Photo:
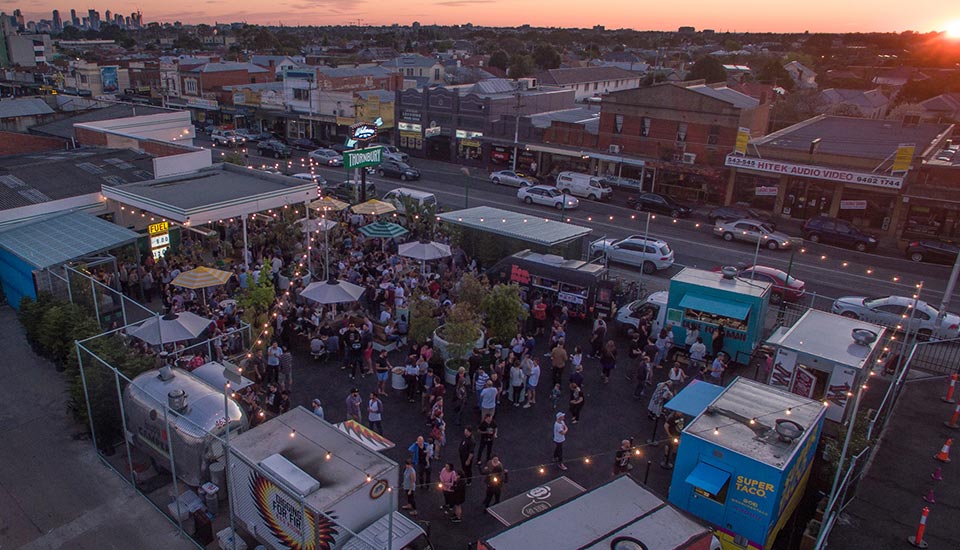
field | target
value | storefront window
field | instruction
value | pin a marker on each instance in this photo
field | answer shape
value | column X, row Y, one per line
column 691, row 187
column 932, row 221
column 410, row 140
column 501, row 156
column 867, row 209
column 755, row 191
column 468, row 149
column 807, row 198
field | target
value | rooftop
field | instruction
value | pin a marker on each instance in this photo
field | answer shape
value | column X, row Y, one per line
column 345, row 72
column 828, row 336
column 579, row 75
column 713, row 279
column 64, row 127
column 28, row 106
column 411, row 60
column 847, row 136
column 519, row 226
column 226, row 66
column 58, row 238
column 727, row 95
column 590, row 118
column 726, row 422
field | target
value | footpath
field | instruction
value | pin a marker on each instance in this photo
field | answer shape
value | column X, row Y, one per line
column 891, row 497
column 54, row 492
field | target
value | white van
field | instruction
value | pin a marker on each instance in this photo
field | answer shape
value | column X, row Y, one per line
column 422, row 198
column 583, row 185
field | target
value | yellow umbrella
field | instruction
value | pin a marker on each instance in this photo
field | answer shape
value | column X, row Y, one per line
column 201, row 277
column 329, row 204
column 373, row 207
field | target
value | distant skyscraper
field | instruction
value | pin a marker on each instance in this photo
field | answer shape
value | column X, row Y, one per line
column 93, row 19
column 108, row 16
column 118, row 20
column 18, row 15
column 57, row 22
column 74, row 19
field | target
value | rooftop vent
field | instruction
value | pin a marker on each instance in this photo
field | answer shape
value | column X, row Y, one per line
column 787, row 430
column 863, row 337
column 177, row 400
column 729, row 271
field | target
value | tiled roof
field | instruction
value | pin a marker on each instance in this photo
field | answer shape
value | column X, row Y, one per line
column 579, row 75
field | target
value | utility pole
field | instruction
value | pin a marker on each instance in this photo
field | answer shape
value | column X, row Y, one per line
column 516, row 131
column 948, row 293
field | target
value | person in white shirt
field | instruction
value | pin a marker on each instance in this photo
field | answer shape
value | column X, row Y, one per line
column 698, row 350
column 559, row 436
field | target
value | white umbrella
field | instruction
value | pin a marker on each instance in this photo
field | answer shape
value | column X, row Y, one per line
column 424, row 250
column 172, row 327
column 332, row 291
column 317, row 224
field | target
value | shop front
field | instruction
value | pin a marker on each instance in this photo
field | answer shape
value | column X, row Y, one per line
column 469, row 146
column 628, row 173
column 411, row 137
column 691, row 184
column 553, row 160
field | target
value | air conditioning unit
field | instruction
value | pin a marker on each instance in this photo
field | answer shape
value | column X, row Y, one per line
column 615, row 149
column 689, row 158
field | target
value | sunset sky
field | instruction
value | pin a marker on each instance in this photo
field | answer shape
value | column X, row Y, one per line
column 742, row 15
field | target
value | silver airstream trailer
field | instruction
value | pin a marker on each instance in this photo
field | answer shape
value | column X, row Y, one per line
column 196, row 413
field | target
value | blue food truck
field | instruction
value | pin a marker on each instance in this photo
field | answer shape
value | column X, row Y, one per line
column 708, row 300
column 742, row 464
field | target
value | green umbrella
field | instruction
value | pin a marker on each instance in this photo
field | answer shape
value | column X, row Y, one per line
column 383, row 230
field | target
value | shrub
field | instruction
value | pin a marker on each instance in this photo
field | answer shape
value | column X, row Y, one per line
column 503, row 309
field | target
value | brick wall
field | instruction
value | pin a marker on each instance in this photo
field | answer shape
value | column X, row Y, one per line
column 12, row 143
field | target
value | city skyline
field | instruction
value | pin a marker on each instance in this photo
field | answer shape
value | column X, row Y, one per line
column 755, row 16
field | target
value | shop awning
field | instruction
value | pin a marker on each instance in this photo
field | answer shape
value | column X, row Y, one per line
column 554, row 150
column 615, row 158
column 723, row 308
column 708, row 478
column 693, row 399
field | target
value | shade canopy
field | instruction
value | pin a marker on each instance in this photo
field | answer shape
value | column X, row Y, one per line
column 329, row 204
column 317, row 224
column 424, row 250
column 201, row 277
column 383, row 230
column 332, row 292
column 373, row 207
column 173, row 327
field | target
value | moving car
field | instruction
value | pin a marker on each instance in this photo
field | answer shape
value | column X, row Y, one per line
column 941, row 252
column 397, row 169
column 548, row 196
column 731, row 213
column 339, row 147
column 782, row 290
column 326, row 157
column 584, row 185
column 838, row 232
column 647, row 253
column 303, row 144
column 753, row 231
column 389, row 151
column 226, row 137
column 509, row 177
column 273, row 148
column 306, row 176
column 659, row 204
column 890, row 310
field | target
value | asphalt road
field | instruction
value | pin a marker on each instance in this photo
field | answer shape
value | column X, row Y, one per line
column 829, row 272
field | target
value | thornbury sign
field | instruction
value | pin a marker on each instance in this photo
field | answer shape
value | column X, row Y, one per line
column 816, row 172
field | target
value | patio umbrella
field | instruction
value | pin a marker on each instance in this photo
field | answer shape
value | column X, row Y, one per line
column 201, row 277
column 424, row 250
column 383, row 230
column 332, row 291
column 329, row 204
column 172, row 327
column 373, row 207
column 317, row 224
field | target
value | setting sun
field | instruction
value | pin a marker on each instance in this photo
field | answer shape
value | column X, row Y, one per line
column 953, row 29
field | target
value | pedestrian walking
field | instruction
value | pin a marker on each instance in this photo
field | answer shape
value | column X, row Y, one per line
column 676, row 375
column 558, row 360
column 516, row 384
column 662, row 394
column 375, row 413
column 576, row 402
column 533, row 378
column 353, row 405
column 644, row 375
column 559, row 436
column 496, row 477
column 410, row 487
column 555, row 395
column 597, row 337
column 488, row 400
column 608, row 360
column 466, row 452
column 286, row 370
column 354, row 343
column 488, row 433
column 621, row 461
column 383, row 368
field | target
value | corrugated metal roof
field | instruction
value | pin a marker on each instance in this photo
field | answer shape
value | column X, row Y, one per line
column 31, row 106
column 63, row 237
column 524, row 227
column 733, row 97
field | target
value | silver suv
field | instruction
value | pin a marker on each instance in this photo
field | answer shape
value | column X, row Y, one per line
column 226, row 137
column 648, row 253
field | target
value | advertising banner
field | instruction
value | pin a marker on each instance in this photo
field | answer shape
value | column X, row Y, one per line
column 743, row 138
column 815, row 172
column 109, row 80
column 838, row 390
column 783, row 367
column 903, row 158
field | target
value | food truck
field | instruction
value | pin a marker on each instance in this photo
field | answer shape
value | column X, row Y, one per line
column 621, row 514
column 300, row 483
column 742, row 464
column 706, row 300
column 581, row 286
column 196, row 415
column 825, row 356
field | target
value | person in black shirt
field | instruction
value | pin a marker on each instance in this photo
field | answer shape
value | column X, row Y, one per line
column 474, row 363
column 488, row 432
column 354, row 343
column 495, row 478
column 621, row 463
column 466, row 449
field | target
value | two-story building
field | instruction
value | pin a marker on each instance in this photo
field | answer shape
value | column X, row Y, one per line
column 588, row 82
column 417, row 70
column 683, row 130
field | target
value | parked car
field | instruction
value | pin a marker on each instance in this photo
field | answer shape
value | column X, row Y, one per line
column 838, row 232
column 509, row 177
column 273, row 148
column 584, row 185
column 548, row 196
column 782, row 290
column 303, row 144
column 326, row 157
column 753, row 231
column 226, row 137
column 653, row 307
column 389, row 151
column 730, row 213
column 890, row 310
column 306, row 176
column 400, row 196
column 648, row 253
column 941, row 252
column 659, row 204
column 339, row 147
column 397, row 169
column 349, row 190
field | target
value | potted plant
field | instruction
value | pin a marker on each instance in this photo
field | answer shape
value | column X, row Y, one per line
column 457, row 337
column 503, row 310
column 422, row 320
column 471, row 289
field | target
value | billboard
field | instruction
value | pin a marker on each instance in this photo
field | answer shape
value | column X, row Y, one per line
column 109, row 81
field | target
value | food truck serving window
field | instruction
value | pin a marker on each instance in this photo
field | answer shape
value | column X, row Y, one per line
column 709, row 482
column 722, row 308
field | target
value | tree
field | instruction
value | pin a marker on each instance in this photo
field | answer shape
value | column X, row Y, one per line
column 521, row 65
column 500, row 60
column 471, row 290
column 774, row 74
column 422, row 320
column 503, row 310
column 546, row 57
column 709, row 69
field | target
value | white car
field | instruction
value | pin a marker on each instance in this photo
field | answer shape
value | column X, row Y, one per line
column 753, row 231
column 547, row 195
column 509, row 177
column 226, row 137
column 306, row 176
column 326, row 157
column 890, row 311
column 390, row 151
column 648, row 253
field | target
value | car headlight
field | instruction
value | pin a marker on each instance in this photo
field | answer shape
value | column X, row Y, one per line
column 871, row 239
